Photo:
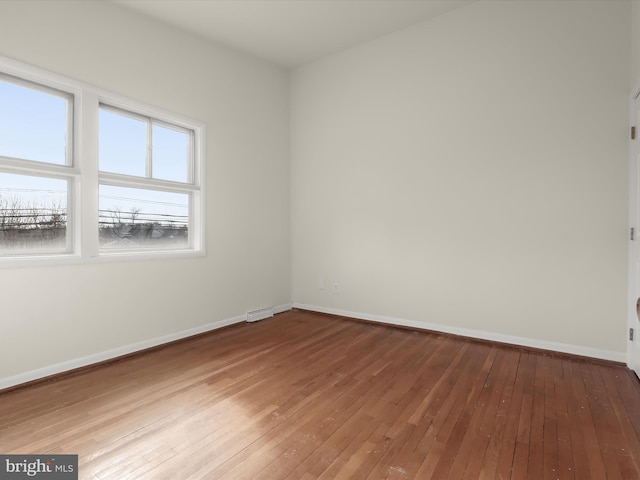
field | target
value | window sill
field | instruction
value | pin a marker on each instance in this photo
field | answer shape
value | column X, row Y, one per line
column 61, row 260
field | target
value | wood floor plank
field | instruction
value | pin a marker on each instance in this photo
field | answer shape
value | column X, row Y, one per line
column 550, row 423
column 483, row 462
column 584, row 426
column 566, row 467
column 312, row 396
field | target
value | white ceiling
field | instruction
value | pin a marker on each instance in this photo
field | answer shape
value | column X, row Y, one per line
column 290, row 33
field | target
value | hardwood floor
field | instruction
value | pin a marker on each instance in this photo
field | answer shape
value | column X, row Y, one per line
column 306, row 396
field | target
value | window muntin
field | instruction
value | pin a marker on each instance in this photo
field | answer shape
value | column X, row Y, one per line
column 133, row 218
column 35, row 122
column 33, row 214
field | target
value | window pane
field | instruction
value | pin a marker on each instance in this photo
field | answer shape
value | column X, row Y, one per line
column 170, row 154
column 33, row 213
column 138, row 218
column 122, row 144
column 33, row 124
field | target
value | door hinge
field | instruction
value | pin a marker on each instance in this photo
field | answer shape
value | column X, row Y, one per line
column 632, row 234
column 631, row 334
column 633, row 133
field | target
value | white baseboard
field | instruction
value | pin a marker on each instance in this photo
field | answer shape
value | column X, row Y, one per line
column 154, row 342
column 283, row 308
column 120, row 351
column 479, row 334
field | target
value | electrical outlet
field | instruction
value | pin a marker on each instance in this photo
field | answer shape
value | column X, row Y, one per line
column 335, row 288
column 321, row 284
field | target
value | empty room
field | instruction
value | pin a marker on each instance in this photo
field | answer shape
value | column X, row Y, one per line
column 319, row 239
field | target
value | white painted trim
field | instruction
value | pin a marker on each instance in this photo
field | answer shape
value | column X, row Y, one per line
column 479, row 334
column 114, row 353
column 283, row 308
column 125, row 350
column 632, row 212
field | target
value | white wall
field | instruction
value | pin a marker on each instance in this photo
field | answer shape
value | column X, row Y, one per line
column 470, row 172
column 59, row 314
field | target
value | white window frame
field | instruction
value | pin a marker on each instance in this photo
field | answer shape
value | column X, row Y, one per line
column 84, row 178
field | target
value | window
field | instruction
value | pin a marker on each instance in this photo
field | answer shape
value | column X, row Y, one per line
column 36, row 130
column 86, row 174
column 146, row 181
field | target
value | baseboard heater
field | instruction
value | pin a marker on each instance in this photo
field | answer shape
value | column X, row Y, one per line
column 261, row 314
